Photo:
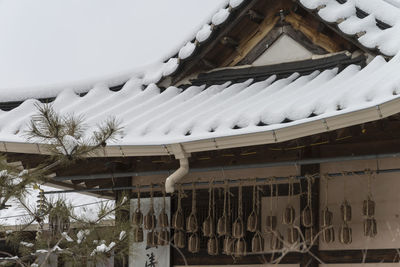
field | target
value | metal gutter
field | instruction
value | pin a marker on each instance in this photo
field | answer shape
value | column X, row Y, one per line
column 285, row 133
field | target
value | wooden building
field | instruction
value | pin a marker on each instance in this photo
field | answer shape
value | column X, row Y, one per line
column 282, row 101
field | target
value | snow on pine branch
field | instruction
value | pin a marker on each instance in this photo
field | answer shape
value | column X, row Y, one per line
column 66, row 136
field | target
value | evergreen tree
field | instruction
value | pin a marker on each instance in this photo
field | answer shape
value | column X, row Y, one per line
column 73, row 238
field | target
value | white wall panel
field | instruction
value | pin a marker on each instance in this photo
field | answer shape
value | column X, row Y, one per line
column 385, row 189
column 285, row 49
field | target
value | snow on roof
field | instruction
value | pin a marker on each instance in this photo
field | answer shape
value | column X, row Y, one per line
column 112, row 43
column 375, row 23
column 150, row 116
column 84, row 205
column 47, row 46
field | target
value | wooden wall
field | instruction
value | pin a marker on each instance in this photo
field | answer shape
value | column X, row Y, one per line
column 382, row 248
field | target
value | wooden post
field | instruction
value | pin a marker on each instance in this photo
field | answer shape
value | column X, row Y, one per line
column 308, row 260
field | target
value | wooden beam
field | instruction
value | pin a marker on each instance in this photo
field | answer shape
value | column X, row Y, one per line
column 335, row 29
column 229, row 42
column 248, row 43
column 262, row 46
column 224, row 31
column 273, row 35
column 312, row 33
column 208, row 64
column 203, row 258
column 282, row 70
column 77, row 187
column 360, row 256
column 302, row 39
column 326, row 256
column 256, row 16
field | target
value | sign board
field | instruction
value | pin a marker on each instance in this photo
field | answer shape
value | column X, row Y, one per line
column 139, row 254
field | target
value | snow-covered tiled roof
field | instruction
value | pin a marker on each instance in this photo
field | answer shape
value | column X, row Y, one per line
column 225, row 115
column 83, row 205
column 50, row 62
column 247, row 113
column 375, row 23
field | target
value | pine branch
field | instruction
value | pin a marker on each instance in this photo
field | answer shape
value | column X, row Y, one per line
column 67, row 137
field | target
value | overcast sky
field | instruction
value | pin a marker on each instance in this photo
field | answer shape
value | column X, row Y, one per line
column 59, row 42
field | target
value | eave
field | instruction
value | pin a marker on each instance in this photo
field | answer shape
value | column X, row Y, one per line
column 311, row 126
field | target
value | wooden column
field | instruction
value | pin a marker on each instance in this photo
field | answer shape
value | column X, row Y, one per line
column 308, row 260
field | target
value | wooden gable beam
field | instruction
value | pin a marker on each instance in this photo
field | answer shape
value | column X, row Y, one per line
column 333, row 27
column 254, row 23
column 256, row 16
column 229, row 42
column 207, row 47
column 281, row 17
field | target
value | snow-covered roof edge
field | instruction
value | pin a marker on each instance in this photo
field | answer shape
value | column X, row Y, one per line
column 331, row 12
column 371, row 24
column 289, row 131
column 171, row 65
column 150, row 73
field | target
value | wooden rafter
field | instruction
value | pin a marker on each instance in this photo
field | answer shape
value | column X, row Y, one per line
column 247, row 34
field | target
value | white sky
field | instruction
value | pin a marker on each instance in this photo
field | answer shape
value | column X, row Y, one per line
column 54, row 43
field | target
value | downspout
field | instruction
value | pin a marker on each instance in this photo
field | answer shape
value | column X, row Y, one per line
column 177, row 175
column 181, row 172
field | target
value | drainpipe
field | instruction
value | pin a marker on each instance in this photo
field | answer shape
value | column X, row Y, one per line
column 181, row 171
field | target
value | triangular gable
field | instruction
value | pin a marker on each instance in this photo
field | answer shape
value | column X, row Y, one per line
column 284, row 49
column 234, row 42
